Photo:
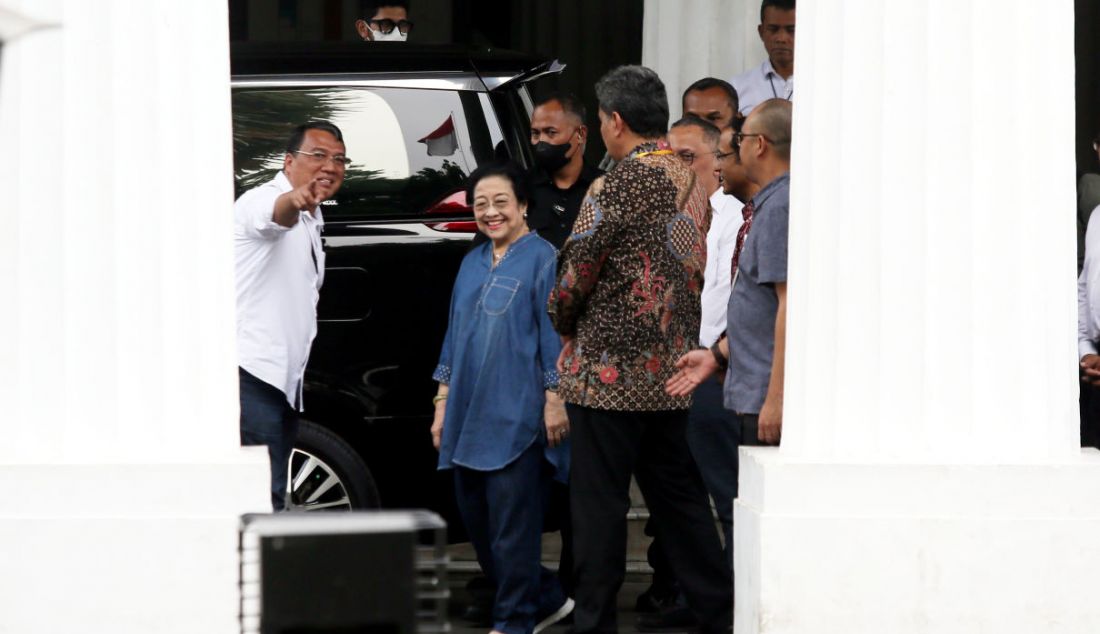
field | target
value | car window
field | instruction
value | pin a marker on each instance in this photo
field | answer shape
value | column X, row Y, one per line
column 411, row 149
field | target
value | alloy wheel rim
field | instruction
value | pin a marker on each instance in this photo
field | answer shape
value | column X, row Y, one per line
column 314, row 485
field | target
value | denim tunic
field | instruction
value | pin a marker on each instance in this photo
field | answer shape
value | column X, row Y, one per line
column 499, row 357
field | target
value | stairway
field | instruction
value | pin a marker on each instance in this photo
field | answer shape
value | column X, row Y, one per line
column 463, row 561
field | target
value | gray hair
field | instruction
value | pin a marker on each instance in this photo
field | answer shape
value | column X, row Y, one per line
column 638, row 95
column 711, row 133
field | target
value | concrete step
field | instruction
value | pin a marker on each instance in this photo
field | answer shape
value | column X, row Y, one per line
column 636, row 540
column 463, row 557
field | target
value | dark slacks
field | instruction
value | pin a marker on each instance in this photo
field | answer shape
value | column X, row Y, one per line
column 750, row 431
column 559, row 508
column 503, row 513
column 607, row 448
column 1090, row 414
column 267, row 419
column 713, row 433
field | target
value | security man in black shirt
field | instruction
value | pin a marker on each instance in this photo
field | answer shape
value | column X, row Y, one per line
column 558, row 134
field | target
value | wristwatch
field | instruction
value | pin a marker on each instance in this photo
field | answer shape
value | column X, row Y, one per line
column 723, row 363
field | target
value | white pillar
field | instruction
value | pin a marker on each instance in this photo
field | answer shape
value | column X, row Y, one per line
column 686, row 40
column 930, row 477
column 117, row 368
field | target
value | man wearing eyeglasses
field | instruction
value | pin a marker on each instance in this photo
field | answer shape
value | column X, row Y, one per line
column 389, row 22
column 280, row 266
column 710, row 432
column 754, row 348
column 695, row 141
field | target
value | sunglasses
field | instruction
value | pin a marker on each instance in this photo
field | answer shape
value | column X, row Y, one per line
column 386, row 26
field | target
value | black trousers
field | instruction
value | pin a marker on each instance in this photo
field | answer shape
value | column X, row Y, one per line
column 607, row 448
column 1090, row 414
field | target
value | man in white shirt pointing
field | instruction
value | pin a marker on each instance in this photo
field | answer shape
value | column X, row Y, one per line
column 774, row 78
column 279, row 270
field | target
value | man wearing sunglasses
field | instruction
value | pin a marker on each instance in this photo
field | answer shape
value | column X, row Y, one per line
column 279, row 269
column 389, row 22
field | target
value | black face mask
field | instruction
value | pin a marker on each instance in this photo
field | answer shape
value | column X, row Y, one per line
column 549, row 157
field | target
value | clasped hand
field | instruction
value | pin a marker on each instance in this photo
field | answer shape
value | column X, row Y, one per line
column 1090, row 369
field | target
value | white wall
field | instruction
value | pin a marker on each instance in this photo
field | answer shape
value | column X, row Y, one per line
column 686, row 40
column 116, row 262
column 932, row 292
column 120, row 460
column 930, row 476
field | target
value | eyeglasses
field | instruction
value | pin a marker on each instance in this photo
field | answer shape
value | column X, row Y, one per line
column 386, row 26
column 318, row 157
column 740, row 136
column 688, row 157
column 721, row 156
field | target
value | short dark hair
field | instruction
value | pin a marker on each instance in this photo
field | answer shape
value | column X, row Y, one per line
column 508, row 170
column 638, row 95
column 707, row 83
column 782, row 5
column 367, row 8
column 569, row 103
column 711, row 133
column 299, row 134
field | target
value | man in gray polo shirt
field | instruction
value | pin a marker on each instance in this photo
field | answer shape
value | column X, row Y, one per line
column 757, row 313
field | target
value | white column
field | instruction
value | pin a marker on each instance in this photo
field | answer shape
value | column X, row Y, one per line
column 117, row 368
column 686, row 40
column 930, row 477
column 937, row 288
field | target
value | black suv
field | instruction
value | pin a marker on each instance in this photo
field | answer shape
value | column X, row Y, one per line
column 416, row 122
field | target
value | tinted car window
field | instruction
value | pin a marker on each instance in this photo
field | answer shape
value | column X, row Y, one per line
column 411, row 149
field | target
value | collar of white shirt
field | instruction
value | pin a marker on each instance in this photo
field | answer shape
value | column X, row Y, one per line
column 281, row 182
column 768, row 70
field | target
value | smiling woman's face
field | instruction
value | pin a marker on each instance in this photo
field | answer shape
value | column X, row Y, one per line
column 497, row 212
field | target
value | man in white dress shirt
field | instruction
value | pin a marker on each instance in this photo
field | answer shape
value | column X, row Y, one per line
column 711, row 430
column 774, row 78
column 279, row 270
column 1088, row 332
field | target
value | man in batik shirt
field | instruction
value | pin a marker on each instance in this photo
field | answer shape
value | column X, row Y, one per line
column 627, row 306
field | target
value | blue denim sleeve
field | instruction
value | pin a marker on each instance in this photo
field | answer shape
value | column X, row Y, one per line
column 549, row 341
column 442, row 371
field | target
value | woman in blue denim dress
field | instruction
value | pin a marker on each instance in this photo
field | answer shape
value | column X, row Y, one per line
column 499, row 423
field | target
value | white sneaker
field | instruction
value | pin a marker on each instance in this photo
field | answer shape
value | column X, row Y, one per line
column 560, row 614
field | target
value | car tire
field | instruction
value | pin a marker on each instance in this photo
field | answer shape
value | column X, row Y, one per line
column 326, row 474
